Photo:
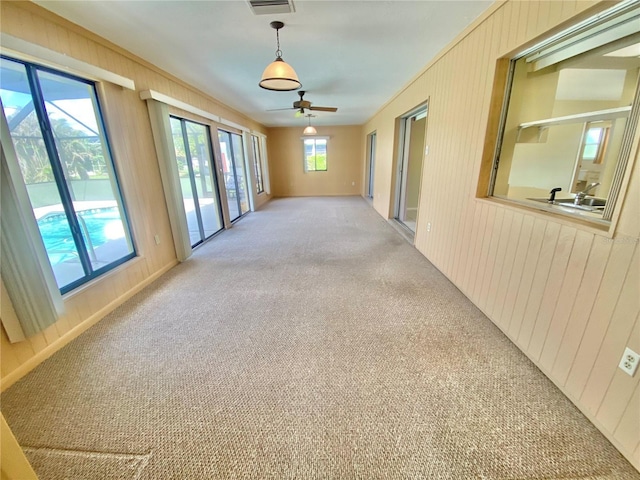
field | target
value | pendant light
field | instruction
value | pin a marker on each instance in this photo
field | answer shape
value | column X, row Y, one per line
column 279, row 75
column 309, row 130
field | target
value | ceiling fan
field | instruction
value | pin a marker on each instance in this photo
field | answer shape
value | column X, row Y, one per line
column 302, row 105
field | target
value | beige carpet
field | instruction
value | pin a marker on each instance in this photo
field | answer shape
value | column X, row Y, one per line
column 310, row 341
column 75, row 465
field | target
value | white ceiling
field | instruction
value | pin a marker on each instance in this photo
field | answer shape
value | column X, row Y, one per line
column 353, row 55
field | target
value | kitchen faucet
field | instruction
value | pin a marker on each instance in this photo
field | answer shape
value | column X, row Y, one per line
column 580, row 195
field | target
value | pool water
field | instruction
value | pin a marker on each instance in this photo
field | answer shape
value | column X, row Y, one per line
column 101, row 225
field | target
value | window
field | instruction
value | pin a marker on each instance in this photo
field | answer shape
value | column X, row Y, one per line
column 62, row 150
column 315, row 154
column 257, row 163
column 571, row 110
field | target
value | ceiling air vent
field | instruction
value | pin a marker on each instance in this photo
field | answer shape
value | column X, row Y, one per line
column 268, row 7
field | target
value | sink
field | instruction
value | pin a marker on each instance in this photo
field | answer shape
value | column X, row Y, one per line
column 587, row 202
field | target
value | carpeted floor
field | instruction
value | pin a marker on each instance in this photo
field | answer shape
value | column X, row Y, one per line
column 310, row 342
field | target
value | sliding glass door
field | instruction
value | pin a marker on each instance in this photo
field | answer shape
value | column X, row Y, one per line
column 235, row 178
column 192, row 143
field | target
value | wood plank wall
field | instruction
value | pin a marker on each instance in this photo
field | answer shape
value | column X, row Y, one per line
column 134, row 153
column 567, row 295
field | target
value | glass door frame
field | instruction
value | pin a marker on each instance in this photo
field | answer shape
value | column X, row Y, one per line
column 371, row 152
column 232, row 166
column 403, row 158
column 192, row 178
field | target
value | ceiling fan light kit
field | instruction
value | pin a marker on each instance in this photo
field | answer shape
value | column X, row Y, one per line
column 279, row 75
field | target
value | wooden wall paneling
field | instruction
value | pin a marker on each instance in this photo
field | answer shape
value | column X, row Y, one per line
column 526, row 278
column 553, row 285
column 471, row 207
column 548, row 339
column 555, row 13
column 531, row 22
column 429, row 204
column 619, row 393
column 627, row 431
column 8, row 358
column 449, row 158
column 75, row 44
column 465, row 202
column 482, row 247
column 540, row 277
column 23, row 350
column 51, row 334
column 490, row 285
column 72, row 315
column 444, row 160
column 569, row 8
column 512, row 26
column 616, row 338
column 475, row 244
column 459, row 174
column 499, row 233
column 63, row 324
column 41, row 31
column 523, row 20
column 437, row 122
column 38, row 342
column 559, row 361
column 599, row 318
column 543, row 16
column 498, row 294
column 491, row 237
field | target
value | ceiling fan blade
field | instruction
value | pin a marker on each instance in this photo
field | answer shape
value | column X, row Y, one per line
column 279, row 109
column 324, row 109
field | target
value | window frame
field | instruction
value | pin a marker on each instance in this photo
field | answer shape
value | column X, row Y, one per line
column 55, row 159
column 499, row 109
column 315, row 138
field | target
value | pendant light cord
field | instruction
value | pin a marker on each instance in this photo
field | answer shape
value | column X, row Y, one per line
column 278, row 51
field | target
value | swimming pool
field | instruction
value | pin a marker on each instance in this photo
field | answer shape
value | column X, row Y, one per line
column 98, row 225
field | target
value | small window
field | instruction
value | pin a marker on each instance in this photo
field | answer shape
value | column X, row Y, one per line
column 315, row 154
column 63, row 154
column 595, row 143
column 571, row 109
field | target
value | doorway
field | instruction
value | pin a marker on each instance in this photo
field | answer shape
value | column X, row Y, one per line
column 413, row 128
column 371, row 162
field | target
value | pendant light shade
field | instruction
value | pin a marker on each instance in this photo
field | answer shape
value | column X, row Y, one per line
column 309, row 129
column 279, row 75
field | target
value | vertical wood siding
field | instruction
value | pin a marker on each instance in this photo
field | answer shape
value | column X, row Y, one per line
column 566, row 295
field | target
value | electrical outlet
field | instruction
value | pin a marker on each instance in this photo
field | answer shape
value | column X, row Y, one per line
column 428, row 226
column 156, row 237
column 629, row 362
